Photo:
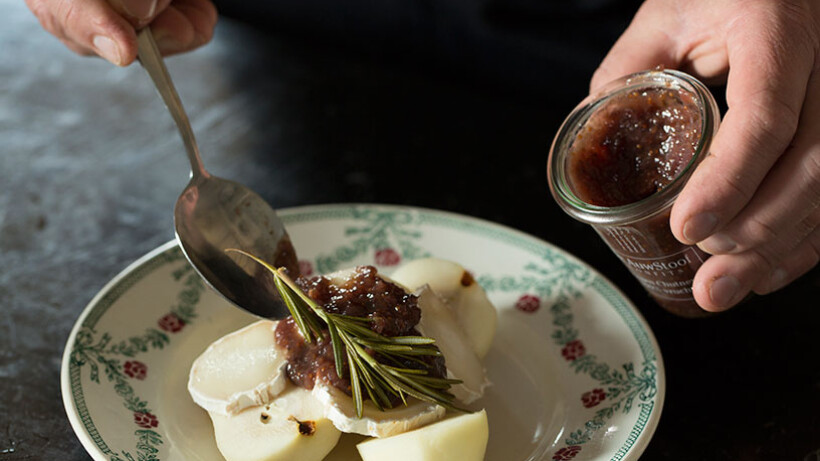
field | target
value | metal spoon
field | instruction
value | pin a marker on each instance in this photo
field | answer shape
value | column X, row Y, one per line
column 213, row 214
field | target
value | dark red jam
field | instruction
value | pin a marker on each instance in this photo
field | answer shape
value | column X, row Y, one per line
column 393, row 313
column 633, row 146
column 285, row 256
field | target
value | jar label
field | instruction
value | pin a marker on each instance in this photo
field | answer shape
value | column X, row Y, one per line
column 668, row 276
column 625, row 238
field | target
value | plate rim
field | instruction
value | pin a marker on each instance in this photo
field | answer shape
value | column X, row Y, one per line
column 69, row 405
column 637, row 442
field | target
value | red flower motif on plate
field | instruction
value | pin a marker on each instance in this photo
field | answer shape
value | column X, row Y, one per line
column 305, row 268
column 593, row 397
column 387, row 257
column 145, row 420
column 171, row 323
column 528, row 303
column 135, row 369
column 567, row 453
column 573, row 350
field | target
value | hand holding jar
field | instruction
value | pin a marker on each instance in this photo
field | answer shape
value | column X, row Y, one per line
column 754, row 202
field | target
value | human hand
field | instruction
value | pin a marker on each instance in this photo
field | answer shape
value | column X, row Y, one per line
column 108, row 27
column 754, row 202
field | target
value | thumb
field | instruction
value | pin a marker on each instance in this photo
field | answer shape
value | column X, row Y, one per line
column 645, row 44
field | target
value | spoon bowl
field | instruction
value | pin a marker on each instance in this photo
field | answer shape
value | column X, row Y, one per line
column 213, row 215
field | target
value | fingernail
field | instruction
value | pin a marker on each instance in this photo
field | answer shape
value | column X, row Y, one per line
column 778, row 279
column 699, row 227
column 107, row 48
column 724, row 290
column 718, row 244
column 140, row 9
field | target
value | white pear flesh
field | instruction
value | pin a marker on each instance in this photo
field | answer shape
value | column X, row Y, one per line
column 439, row 322
column 462, row 438
column 341, row 410
column 463, row 294
column 292, row 427
column 240, row 370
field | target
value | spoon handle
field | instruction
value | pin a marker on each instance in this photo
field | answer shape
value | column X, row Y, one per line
column 151, row 60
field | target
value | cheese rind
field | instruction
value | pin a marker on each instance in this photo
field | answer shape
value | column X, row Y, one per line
column 341, row 410
column 465, row 297
column 438, row 322
column 240, row 370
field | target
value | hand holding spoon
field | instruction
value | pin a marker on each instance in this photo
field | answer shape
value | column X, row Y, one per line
column 213, row 214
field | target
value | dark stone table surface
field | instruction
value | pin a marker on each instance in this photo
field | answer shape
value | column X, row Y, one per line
column 90, row 167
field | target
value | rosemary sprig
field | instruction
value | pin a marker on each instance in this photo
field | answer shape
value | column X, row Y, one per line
column 351, row 337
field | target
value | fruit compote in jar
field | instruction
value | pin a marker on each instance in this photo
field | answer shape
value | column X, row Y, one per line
column 619, row 162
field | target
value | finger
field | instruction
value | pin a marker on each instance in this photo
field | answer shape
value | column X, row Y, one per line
column 81, row 50
column 724, row 280
column 42, row 11
column 139, row 12
column 801, row 260
column 95, row 25
column 184, row 25
column 645, row 44
column 89, row 25
column 787, row 196
column 765, row 91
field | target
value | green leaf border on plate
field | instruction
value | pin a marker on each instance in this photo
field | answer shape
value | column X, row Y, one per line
column 97, row 351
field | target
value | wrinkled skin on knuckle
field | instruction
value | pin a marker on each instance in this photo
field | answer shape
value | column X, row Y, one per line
column 815, row 246
column 772, row 121
column 805, row 228
column 811, row 176
column 765, row 259
column 782, row 34
column 42, row 10
column 760, row 232
column 761, row 263
column 790, row 25
column 727, row 185
column 65, row 13
column 782, row 245
column 803, row 20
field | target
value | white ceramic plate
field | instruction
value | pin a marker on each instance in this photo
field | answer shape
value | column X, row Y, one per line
column 576, row 371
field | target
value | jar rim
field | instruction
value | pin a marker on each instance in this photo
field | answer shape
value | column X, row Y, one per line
column 655, row 203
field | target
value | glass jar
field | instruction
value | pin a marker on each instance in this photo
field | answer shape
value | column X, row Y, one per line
column 618, row 163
